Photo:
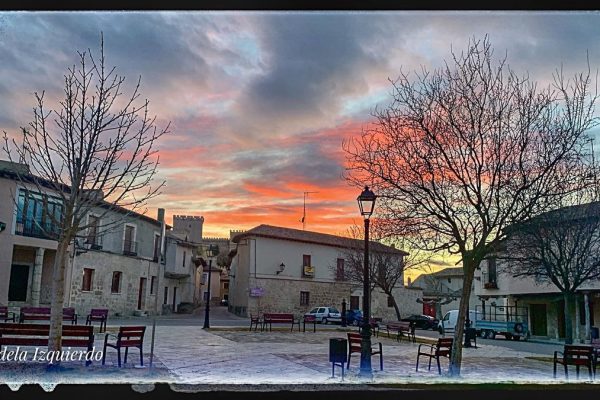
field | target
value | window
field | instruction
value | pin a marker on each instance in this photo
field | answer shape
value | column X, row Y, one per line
column 354, row 302
column 152, row 285
column 492, row 270
column 38, row 215
column 184, row 257
column 156, row 247
column 166, row 298
column 226, row 285
column 204, row 278
column 339, row 272
column 88, row 276
column 129, row 245
column 116, row 282
column 306, row 260
column 305, row 265
column 390, row 301
column 92, row 236
column 304, row 298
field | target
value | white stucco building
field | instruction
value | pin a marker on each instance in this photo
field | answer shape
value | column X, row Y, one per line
column 278, row 269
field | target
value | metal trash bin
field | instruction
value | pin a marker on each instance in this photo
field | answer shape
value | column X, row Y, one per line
column 595, row 332
column 470, row 335
column 338, row 354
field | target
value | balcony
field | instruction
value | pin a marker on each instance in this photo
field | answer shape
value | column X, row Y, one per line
column 93, row 242
column 31, row 229
column 490, row 285
column 130, row 248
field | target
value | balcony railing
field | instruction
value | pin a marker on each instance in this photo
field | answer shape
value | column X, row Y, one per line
column 31, row 229
column 94, row 242
column 129, row 248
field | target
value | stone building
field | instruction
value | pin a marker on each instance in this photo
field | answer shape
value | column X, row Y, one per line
column 279, row 269
column 114, row 264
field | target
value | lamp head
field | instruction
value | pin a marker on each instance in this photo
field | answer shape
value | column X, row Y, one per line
column 366, row 202
column 281, row 268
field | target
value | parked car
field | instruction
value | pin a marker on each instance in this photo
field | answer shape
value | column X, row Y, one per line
column 326, row 314
column 422, row 321
column 353, row 317
column 224, row 302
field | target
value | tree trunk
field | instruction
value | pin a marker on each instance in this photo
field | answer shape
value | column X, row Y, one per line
column 395, row 307
column 568, row 324
column 456, row 353
column 58, row 293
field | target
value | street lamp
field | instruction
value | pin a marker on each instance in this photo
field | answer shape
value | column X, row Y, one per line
column 213, row 251
column 366, row 203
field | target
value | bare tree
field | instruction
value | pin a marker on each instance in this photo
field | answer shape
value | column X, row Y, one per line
column 95, row 151
column 386, row 265
column 466, row 150
column 561, row 247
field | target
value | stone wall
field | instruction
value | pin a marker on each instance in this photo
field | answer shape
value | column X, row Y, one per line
column 104, row 264
column 406, row 298
column 283, row 295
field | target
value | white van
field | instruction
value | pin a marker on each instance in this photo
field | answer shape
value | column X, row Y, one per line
column 448, row 323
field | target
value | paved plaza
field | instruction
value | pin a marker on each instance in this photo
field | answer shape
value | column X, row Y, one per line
column 190, row 355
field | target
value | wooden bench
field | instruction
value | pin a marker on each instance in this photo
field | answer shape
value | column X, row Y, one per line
column 128, row 336
column 69, row 314
column 355, row 346
column 6, row 315
column 274, row 318
column 43, row 314
column 98, row 314
column 255, row 320
column 401, row 328
column 37, row 335
column 442, row 348
column 374, row 326
column 578, row 355
column 311, row 319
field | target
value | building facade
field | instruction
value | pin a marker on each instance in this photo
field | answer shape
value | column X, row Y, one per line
column 279, row 269
column 113, row 264
column 542, row 301
column 442, row 291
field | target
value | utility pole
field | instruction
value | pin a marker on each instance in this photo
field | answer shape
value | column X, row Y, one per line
column 303, row 220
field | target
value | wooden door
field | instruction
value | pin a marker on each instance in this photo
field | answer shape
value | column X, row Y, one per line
column 142, row 294
column 539, row 322
column 17, row 287
column 175, row 299
column 560, row 319
column 429, row 309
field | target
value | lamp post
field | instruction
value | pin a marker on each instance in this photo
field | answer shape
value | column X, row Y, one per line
column 366, row 203
column 213, row 251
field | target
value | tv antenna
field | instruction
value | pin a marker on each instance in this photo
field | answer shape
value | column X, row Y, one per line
column 303, row 220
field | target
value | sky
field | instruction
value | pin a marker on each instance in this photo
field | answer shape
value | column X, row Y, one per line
column 260, row 102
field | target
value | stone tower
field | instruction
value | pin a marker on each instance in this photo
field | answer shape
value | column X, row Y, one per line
column 191, row 225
